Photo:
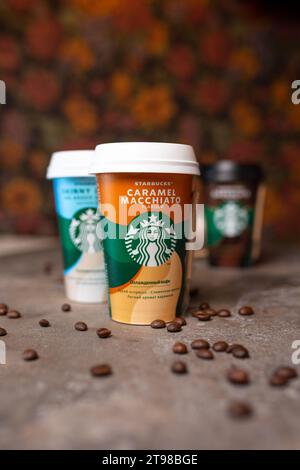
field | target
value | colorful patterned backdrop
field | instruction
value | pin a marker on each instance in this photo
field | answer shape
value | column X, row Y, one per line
column 209, row 73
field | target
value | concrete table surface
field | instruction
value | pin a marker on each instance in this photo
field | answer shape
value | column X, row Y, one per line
column 54, row 403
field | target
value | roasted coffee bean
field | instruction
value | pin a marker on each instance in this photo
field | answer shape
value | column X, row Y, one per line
column 232, row 346
column 195, row 313
column 44, row 323
column 203, row 317
column 158, row 324
column 173, row 327
column 101, row 370
column 66, row 307
column 238, row 376
column 3, row 332
column 80, row 326
column 210, row 311
column 204, row 306
column 180, row 320
column 180, row 348
column 13, row 314
column 278, row 381
column 30, row 355
column 245, row 311
column 240, row 352
column 179, row 367
column 204, row 354
column 3, row 309
column 224, row 313
column 220, row 346
column 200, row 344
column 103, row 332
column 240, row 409
column 286, row 372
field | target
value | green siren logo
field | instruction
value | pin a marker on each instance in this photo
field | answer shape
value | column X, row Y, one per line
column 231, row 219
column 83, row 231
column 151, row 239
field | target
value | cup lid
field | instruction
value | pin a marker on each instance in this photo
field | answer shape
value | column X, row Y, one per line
column 144, row 157
column 225, row 171
column 69, row 163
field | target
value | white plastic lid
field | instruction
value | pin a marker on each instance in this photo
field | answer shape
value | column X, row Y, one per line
column 144, row 157
column 70, row 163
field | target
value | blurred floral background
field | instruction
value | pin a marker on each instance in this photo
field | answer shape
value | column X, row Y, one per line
column 216, row 74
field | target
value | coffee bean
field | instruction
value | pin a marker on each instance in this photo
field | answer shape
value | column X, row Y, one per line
column 44, row 323
column 13, row 314
column 103, row 332
column 245, row 311
column 240, row 352
column 179, row 367
column 278, row 381
column 200, row 344
column 232, row 346
column 210, row 311
column 158, row 324
column 173, row 327
column 3, row 309
column 238, row 376
column 3, row 332
column 180, row 320
column 196, row 312
column 203, row 317
column 180, row 348
column 240, row 409
column 66, row 307
column 30, row 355
column 224, row 313
column 286, row 372
column 204, row 306
column 220, row 346
column 204, row 354
column 80, row 326
column 101, row 370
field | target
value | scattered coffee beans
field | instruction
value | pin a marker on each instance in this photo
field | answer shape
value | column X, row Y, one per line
column 278, row 381
column 220, row 346
column 203, row 317
column 80, row 326
column 3, row 332
column 238, row 376
column 103, row 332
column 286, row 372
column 204, row 306
column 180, row 320
column 13, row 314
column 101, row 370
column 240, row 409
column 245, row 311
column 204, row 354
column 232, row 346
column 30, row 355
column 173, row 327
column 180, row 348
column 240, row 352
column 3, row 309
column 44, row 323
column 200, row 344
column 224, row 313
column 179, row 367
column 158, row 324
column 210, row 311
column 66, row 307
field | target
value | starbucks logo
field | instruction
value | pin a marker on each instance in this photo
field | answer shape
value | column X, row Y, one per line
column 231, row 219
column 83, row 231
column 150, row 239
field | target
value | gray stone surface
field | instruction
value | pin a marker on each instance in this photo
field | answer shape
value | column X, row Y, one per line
column 53, row 403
